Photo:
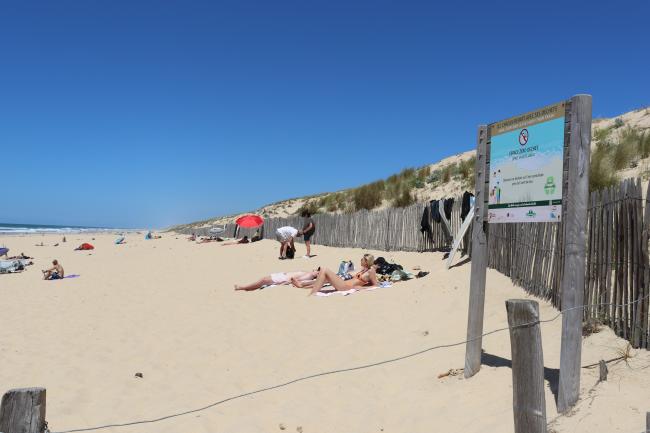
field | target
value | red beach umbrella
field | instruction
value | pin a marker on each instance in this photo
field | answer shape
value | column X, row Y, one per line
column 250, row 221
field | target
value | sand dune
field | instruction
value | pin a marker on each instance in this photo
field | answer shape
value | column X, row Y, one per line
column 167, row 309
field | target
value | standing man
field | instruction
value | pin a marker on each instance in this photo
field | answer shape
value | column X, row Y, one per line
column 308, row 230
column 285, row 236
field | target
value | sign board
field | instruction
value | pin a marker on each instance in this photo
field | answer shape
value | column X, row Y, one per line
column 526, row 163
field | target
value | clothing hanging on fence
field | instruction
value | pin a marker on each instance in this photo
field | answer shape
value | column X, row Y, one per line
column 435, row 211
column 425, row 224
column 448, row 206
column 465, row 205
column 446, row 226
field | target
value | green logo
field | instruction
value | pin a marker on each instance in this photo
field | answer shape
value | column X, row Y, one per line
column 549, row 187
column 531, row 214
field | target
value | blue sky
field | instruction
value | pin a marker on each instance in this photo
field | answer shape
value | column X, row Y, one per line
column 149, row 113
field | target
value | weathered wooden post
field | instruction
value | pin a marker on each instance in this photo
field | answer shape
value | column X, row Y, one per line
column 603, row 370
column 528, row 400
column 23, row 411
column 575, row 241
column 647, row 422
column 479, row 262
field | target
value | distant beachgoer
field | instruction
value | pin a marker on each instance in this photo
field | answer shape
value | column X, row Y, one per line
column 192, row 237
column 21, row 256
column 64, row 239
column 4, row 251
column 365, row 277
column 208, row 239
column 243, row 240
column 285, row 236
column 150, row 236
column 308, row 230
column 55, row 272
column 278, row 278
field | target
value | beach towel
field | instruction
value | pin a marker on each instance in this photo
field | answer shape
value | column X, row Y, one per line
column 381, row 285
column 66, row 277
column 10, row 266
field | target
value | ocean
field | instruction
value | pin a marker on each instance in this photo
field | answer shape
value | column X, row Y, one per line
column 20, row 229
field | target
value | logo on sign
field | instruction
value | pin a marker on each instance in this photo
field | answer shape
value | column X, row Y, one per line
column 523, row 137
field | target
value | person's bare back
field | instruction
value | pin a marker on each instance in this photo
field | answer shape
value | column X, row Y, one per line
column 55, row 272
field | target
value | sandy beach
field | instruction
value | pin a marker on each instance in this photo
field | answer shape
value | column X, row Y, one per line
column 167, row 309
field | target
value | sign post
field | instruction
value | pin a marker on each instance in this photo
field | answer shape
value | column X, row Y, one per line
column 575, row 240
column 535, row 168
column 479, row 261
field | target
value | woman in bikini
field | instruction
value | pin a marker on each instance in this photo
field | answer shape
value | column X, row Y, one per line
column 365, row 277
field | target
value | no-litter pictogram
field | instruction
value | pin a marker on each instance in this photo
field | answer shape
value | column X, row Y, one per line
column 523, row 137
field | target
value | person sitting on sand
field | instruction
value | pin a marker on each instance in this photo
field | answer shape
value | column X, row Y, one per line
column 55, row 272
column 192, row 238
column 279, row 278
column 285, row 236
column 365, row 277
column 150, row 236
column 243, row 240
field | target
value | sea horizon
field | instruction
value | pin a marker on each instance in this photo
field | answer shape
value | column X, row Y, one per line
column 21, row 229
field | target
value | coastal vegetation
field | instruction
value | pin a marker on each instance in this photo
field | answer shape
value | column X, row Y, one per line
column 617, row 148
column 620, row 149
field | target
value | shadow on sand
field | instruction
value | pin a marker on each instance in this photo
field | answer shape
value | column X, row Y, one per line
column 551, row 375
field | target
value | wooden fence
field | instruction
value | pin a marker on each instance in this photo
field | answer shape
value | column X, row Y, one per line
column 617, row 268
column 391, row 229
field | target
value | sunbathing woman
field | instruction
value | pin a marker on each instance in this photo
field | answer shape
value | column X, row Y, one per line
column 241, row 241
column 365, row 277
column 279, row 278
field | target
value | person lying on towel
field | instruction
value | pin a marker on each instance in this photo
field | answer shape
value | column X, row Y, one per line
column 366, row 277
column 55, row 272
column 278, row 278
column 243, row 240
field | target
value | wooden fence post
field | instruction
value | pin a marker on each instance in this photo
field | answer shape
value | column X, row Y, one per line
column 479, row 263
column 528, row 400
column 23, row 411
column 647, row 422
column 575, row 239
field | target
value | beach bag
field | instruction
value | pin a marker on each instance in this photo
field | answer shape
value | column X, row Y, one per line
column 385, row 268
column 345, row 267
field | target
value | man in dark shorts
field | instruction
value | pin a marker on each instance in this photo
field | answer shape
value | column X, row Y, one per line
column 308, row 230
column 55, row 272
